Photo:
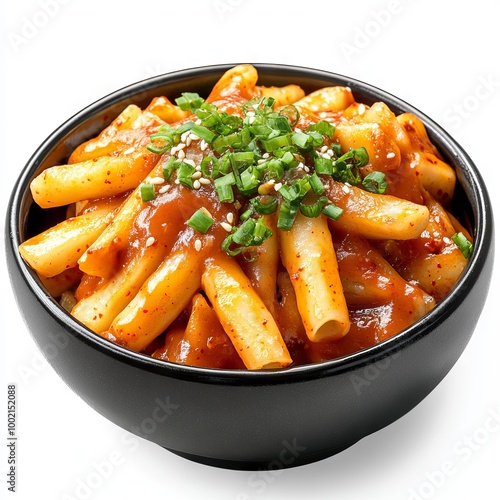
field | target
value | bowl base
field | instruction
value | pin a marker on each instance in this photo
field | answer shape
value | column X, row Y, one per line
column 274, row 464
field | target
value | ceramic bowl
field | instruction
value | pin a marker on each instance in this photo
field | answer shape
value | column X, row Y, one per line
column 250, row 419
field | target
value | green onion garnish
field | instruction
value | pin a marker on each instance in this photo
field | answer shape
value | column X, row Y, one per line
column 314, row 209
column 332, row 211
column 265, row 205
column 203, row 133
column 465, row 246
column 286, row 216
column 250, row 233
column 147, row 192
column 316, row 184
column 263, row 161
column 200, row 221
column 169, row 167
column 184, row 174
column 189, row 101
column 375, row 182
column 322, row 127
column 224, row 187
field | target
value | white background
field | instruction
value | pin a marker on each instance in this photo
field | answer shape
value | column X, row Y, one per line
column 60, row 55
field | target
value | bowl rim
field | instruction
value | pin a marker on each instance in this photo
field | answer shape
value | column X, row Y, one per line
column 467, row 173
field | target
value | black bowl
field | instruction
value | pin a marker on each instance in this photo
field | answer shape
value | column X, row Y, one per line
column 251, row 419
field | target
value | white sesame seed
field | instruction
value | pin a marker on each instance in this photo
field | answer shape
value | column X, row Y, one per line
column 330, row 152
column 324, row 149
column 196, row 175
column 180, row 146
column 345, row 188
column 129, row 150
column 230, row 217
column 181, row 155
column 205, row 181
column 227, row 227
column 173, row 150
column 164, row 189
column 261, row 161
column 390, row 155
column 184, row 136
column 198, row 168
column 177, row 181
column 198, row 122
column 197, row 245
column 157, row 180
column 190, row 162
column 307, row 169
column 265, row 155
column 188, row 141
column 193, row 136
column 300, row 166
column 326, row 156
column 196, row 184
column 278, row 186
column 251, row 120
column 348, row 89
column 203, row 145
column 361, row 109
column 150, row 241
column 251, row 113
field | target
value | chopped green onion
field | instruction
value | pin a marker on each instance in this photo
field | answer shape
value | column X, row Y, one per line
column 359, row 157
column 280, row 123
column 250, row 233
column 189, row 101
column 165, row 135
column 253, row 152
column 316, row 184
column 332, row 211
column 375, row 182
column 286, row 216
column 336, row 148
column 169, row 167
column 275, row 143
column 223, row 187
column 203, row 133
column 184, row 174
column 200, row 221
column 207, row 163
column 317, row 138
column 301, row 140
column 291, row 113
column 147, row 192
column 222, row 142
column 315, row 209
column 265, row 204
column 322, row 127
column 250, row 180
column 323, row 165
column 465, row 246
